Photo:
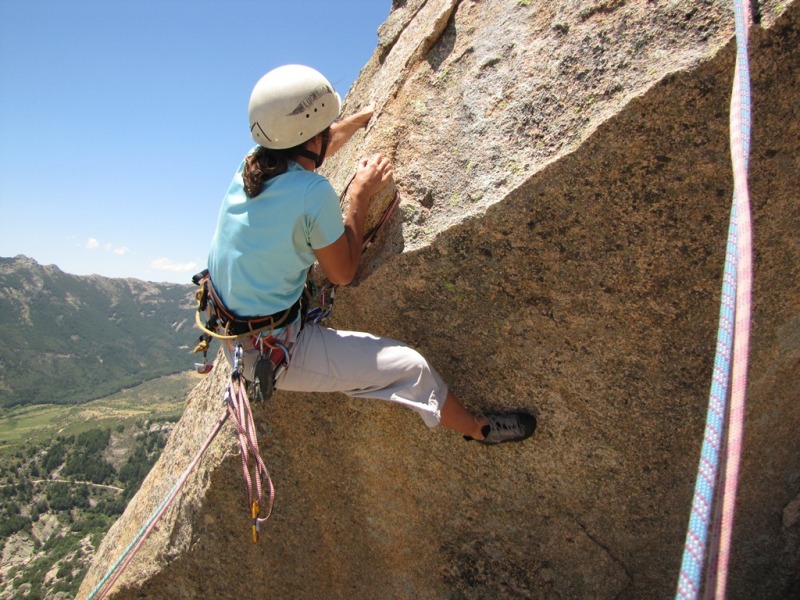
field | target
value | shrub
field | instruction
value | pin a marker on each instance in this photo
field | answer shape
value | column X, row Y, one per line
column 86, row 459
column 11, row 524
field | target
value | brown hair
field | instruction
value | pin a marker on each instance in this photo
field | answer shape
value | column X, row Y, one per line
column 264, row 164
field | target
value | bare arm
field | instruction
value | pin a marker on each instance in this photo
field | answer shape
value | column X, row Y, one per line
column 339, row 260
column 343, row 129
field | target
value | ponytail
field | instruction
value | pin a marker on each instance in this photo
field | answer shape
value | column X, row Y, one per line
column 261, row 166
column 265, row 163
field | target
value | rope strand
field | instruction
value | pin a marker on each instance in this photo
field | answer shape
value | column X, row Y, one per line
column 108, row 581
column 740, row 152
column 733, row 337
column 241, row 413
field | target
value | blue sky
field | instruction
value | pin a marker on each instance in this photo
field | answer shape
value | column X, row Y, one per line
column 122, row 122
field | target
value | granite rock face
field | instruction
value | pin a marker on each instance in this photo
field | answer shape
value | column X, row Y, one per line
column 565, row 186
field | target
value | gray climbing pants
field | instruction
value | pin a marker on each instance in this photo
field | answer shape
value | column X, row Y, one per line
column 360, row 365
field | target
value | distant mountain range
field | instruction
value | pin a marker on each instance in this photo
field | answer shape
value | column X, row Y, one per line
column 68, row 339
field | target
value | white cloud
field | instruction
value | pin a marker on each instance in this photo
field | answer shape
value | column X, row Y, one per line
column 94, row 243
column 166, row 264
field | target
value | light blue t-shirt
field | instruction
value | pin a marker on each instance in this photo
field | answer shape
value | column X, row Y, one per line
column 263, row 246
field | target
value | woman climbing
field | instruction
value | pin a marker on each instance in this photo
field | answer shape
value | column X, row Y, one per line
column 277, row 219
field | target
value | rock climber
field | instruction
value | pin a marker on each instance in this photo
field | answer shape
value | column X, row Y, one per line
column 278, row 218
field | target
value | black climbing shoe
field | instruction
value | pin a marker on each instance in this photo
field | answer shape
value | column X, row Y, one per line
column 513, row 427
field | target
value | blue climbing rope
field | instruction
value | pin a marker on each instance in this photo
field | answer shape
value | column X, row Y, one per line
column 113, row 573
column 732, row 339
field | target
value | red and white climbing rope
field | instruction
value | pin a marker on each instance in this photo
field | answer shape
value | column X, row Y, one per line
column 115, row 571
column 740, row 152
column 238, row 405
column 733, row 337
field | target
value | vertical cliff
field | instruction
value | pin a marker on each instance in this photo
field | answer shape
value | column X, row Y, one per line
column 565, row 181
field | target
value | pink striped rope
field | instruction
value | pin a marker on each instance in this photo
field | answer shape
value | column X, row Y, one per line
column 116, row 570
column 722, row 441
column 238, row 409
column 740, row 148
column 242, row 417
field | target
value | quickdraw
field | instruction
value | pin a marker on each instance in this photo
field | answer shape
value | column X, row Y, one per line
column 326, row 294
column 241, row 414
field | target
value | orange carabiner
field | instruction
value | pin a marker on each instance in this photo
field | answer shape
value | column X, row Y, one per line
column 254, row 512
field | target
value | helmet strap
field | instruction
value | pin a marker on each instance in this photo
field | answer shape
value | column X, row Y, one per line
column 306, row 153
column 317, row 158
column 326, row 138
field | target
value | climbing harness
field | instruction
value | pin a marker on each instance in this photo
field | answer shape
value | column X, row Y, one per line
column 733, row 336
column 223, row 324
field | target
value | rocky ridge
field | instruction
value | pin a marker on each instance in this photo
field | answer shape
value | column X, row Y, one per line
column 70, row 339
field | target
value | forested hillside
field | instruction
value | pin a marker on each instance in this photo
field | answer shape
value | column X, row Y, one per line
column 70, row 339
column 58, row 498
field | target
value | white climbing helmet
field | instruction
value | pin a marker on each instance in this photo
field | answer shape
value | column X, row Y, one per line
column 290, row 105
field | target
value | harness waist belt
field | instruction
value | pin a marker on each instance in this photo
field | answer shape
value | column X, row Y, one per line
column 236, row 325
column 241, row 325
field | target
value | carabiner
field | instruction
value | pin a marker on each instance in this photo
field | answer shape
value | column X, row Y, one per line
column 238, row 361
column 256, row 527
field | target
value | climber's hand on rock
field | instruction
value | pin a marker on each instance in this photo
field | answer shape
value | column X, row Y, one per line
column 362, row 117
column 343, row 129
column 372, row 175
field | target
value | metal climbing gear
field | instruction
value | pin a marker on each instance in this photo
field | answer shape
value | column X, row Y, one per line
column 254, row 510
column 273, row 358
column 325, row 294
column 263, row 379
column 202, row 346
column 253, row 468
